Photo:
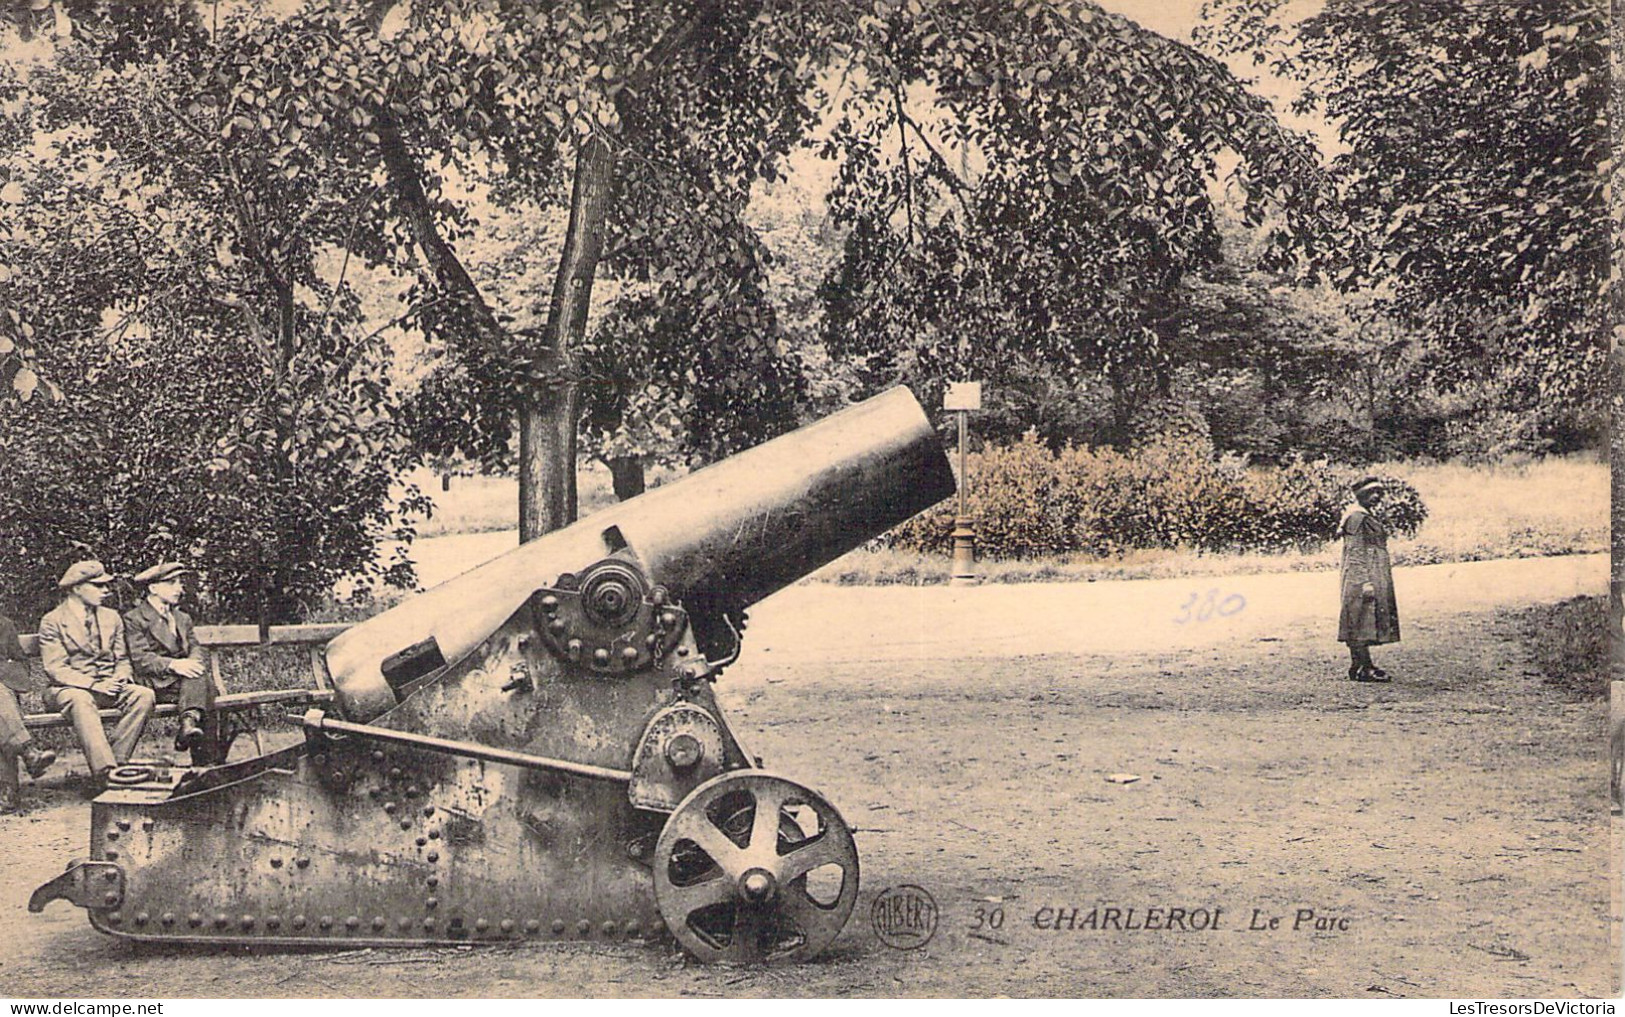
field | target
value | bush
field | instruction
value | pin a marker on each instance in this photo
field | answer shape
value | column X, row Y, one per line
column 1568, row 641
column 1491, row 436
column 1030, row 502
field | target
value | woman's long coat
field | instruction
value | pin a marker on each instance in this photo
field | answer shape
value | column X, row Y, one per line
column 1365, row 560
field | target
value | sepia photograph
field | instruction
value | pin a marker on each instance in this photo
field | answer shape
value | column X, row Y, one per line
column 798, row 499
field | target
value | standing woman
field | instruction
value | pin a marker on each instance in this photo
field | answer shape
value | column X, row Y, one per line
column 1370, row 614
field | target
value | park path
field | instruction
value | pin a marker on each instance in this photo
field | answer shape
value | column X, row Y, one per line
column 1457, row 816
column 820, row 622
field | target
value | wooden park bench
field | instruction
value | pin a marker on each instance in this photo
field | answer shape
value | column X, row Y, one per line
column 227, row 704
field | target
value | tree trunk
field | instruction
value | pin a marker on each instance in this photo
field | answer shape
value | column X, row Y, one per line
column 627, row 474
column 1370, row 414
column 547, row 421
column 1616, row 386
column 277, row 606
column 1120, row 432
column 1616, row 456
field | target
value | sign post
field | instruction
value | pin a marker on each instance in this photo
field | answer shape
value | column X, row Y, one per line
column 961, row 398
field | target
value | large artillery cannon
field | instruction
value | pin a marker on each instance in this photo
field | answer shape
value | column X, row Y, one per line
column 532, row 750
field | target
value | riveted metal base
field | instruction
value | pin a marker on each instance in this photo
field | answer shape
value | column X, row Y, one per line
column 353, row 840
column 356, row 845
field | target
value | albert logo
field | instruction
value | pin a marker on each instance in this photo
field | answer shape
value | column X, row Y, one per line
column 904, row 917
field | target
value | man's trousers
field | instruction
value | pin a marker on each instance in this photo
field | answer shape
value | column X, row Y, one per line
column 81, row 707
column 189, row 693
column 13, row 735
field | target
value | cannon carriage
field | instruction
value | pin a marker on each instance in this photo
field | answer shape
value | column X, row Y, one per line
column 532, row 750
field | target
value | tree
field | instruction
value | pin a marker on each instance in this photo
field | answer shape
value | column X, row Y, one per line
column 1616, row 358
column 647, row 126
column 648, row 123
column 1475, row 171
column 1027, row 185
column 213, row 397
column 1279, row 369
column 1086, row 146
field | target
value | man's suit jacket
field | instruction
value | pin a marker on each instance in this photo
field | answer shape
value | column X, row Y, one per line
column 14, row 672
column 11, row 648
column 69, row 656
column 153, row 646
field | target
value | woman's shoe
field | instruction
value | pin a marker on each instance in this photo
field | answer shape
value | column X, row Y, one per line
column 1371, row 674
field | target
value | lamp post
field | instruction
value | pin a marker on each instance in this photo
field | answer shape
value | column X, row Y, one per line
column 961, row 398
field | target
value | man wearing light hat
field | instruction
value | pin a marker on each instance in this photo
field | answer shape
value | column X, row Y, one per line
column 1370, row 614
column 82, row 647
column 15, row 741
column 165, row 653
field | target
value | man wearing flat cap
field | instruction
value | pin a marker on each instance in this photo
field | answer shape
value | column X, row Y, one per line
column 82, row 647
column 16, row 744
column 1370, row 614
column 165, row 653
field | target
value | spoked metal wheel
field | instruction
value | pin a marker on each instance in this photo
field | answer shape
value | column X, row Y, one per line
column 752, row 867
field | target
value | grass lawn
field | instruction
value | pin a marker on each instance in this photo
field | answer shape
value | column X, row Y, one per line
column 1515, row 510
column 481, row 504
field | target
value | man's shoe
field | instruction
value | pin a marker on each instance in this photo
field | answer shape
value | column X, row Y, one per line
column 97, row 782
column 191, row 734
column 36, row 760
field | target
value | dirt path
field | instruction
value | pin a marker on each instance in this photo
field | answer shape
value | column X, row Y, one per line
column 1457, row 820
column 1139, row 616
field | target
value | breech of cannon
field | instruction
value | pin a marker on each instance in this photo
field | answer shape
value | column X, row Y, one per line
column 532, row 750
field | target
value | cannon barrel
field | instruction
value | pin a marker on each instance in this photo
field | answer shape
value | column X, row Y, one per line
column 722, row 538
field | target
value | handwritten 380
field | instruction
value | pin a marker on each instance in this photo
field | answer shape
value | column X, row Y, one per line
column 1203, row 607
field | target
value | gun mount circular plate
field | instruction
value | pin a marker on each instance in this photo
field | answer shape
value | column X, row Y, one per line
column 609, row 620
column 752, row 868
column 131, row 774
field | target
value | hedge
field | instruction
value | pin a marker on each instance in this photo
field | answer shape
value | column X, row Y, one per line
column 1030, row 502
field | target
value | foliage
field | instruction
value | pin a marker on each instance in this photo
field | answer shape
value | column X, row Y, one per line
column 647, row 360
column 1031, row 502
column 691, row 352
column 1474, row 172
column 642, row 130
column 1023, row 193
column 216, row 399
column 1036, row 397
column 1028, row 184
column 647, row 124
column 149, row 458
